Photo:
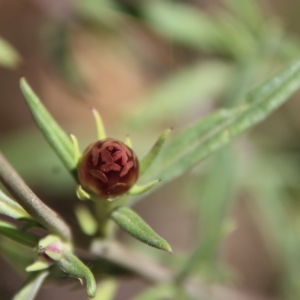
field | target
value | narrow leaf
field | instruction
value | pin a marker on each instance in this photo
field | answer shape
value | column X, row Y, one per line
column 215, row 199
column 249, row 13
column 189, row 152
column 38, row 265
column 18, row 256
column 32, row 162
column 19, row 236
column 76, row 150
column 181, row 22
column 9, row 57
column 128, row 141
column 280, row 225
column 57, row 41
column 165, row 291
column 107, row 289
column 70, row 264
column 99, row 124
column 31, row 286
column 287, row 78
column 54, row 135
column 11, row 208
column 133, row 224
column 138, row 190
column 86, row 220
column 189, row 86
column 153, row 153
column 186, row 139
column 191, row 27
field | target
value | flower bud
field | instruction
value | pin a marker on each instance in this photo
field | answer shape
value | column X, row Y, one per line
column 108, row 168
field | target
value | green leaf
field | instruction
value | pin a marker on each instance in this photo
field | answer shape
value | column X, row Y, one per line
column 38, row 265
column 70, row 264
column 159, row 292
column 133, row 224
column 11, row 208
column 249, row 12
column 180, row 22
column 86, row 220
column 213, row 132
column 191, row 135
column 214, row 203
column 102, row 13
column 54, row 135
column 232, row 29
column 19, row 236
column 31, row 286
column 191, row 27
column 147, row 161
column 107, row 289
column 280, row 224
column 56, row 38
column 17, row 255
column 189, row 86
column 33, row 166
column 141, row 189
column 9, row 57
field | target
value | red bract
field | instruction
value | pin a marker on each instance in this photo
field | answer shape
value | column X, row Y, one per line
column 108, row 168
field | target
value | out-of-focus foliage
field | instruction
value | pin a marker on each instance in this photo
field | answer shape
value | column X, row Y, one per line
column 213, row 93
column 9, row 57
column 32, row 286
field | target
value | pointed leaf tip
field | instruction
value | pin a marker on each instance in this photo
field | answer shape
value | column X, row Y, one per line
column 147, row 161
column 133, row 224
column 213, row 132
column 138, row 190
column 31, row 287
column 11, row 208
column 72, row 265
column 99, row 124
column 9, row 56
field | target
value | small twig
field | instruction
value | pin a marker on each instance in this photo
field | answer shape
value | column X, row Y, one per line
column 140, row 265
column 125, row 257
column 159, row 274
column 30, row 202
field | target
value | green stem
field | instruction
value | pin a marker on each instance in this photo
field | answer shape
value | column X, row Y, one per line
column 103, row 209
column 30, row 202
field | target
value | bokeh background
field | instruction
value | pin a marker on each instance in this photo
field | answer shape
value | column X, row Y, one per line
column 148, row 65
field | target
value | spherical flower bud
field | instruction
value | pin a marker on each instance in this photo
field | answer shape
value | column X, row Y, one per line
column 108, row 168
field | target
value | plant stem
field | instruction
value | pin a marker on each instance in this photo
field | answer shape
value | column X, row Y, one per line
column 156, row 273
column 102, row 217
column 30, row 202
column 125, row 257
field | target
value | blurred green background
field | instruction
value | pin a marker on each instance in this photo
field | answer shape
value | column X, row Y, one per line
column 145, row 65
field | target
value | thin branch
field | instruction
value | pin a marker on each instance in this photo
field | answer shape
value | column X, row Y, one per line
column 125, row 257
column 159, row 274
column 30, row 202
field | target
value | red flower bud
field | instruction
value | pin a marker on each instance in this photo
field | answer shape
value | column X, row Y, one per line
column 108, row 168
